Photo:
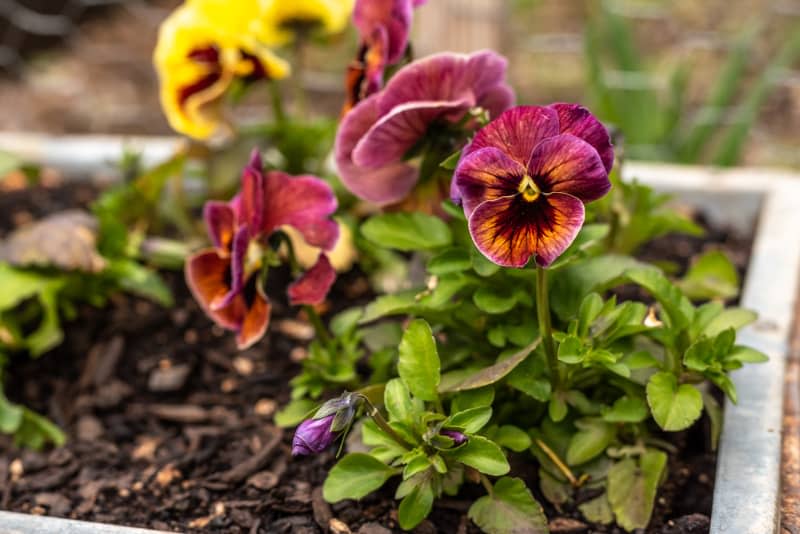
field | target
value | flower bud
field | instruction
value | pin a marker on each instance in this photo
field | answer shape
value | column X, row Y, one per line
column 457, row 437
column 313, row 436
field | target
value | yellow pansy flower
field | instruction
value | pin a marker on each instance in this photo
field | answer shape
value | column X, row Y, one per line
column 279, row 20
column 198, row 56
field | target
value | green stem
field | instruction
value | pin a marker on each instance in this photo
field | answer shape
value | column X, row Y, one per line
column 319, row 326
column 376, row 416
column 277, row 102
column 487, row 485
column 545, row 326
column 299, row 67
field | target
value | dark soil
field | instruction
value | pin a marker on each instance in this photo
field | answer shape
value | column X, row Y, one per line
column 170, row 428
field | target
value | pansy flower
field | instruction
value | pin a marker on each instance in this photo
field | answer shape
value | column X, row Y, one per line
column 426, row 102
column 525, row 177
column 226, row 280
column 280, row 21
column 199, row 56
column 383, row 27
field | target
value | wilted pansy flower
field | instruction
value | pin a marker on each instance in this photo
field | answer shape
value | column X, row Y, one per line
column 200, row 53
column 329, row 422
column 226, row 279
column 280, row 20
column 425, row 103
column 525, row 177
column 383, row 27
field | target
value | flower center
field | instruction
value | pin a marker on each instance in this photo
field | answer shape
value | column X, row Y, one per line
column 530, row 191
column 253, row 257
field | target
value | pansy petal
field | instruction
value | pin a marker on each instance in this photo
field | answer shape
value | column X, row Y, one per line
column 386, row 185
column 567, row 164
column 509, row 230
column 394, row 16
column 497, row 99
column 220, row 223
column 304, row 202
column 313, row 286
column 517, row 131
column 255, row 322
column 485, row 74
column 251, row 198
column 486, row 174
column 241, row 240
column 395, row 133
column 206, row 275
column 577, row 120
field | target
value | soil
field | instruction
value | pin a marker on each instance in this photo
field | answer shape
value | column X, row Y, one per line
column 170, row 428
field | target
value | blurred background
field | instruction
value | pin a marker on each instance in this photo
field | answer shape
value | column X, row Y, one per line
column 715, row 82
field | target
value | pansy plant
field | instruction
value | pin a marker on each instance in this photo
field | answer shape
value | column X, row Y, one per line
column 228, row 279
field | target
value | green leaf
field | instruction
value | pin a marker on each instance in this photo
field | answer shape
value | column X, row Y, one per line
column 730, row 318
column 355, row 476
column 473, row 398
column 674, row 407
column 418, row 463
column 407, row 231
column 591, row 439
column 140, row 280
column 491, row 299
column 482, row 454
column 393, row 304
column 743, row 354
column 674, row 302
column 494, row 373
column 471, row 420
column 510, row 509
column 626, row 410
column 293, row 413
column 632, row 488
column 397, row 400
column 512, row 437
column 452, row 260
column 712, row 275
column 597, row 510
column 418, row 365
column 415, row 506
column 570, row 350
column 10, row 415
column 714, row 412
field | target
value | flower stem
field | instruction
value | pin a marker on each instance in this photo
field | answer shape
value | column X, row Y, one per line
column 277, row 102
column 299, row 66
column 316, row 322
column 545, row 326
column 487, row 485
column 376, row 416
column 556, row 460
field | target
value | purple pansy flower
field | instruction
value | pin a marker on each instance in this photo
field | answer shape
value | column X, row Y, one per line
column 329, row 422
column 224, row 279
column 383, row 26
column 525, row 177
column 313, row 436
column 375, row 137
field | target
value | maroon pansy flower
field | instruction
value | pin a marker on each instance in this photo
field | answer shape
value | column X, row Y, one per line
column 225, row 279
column 383, row 27
column 426, row 97
column 525, row 177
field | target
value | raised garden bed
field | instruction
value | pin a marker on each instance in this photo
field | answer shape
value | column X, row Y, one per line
column 190, row 444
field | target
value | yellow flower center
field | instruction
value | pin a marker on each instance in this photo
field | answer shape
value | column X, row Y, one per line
column 530, row 191
column 253, row 258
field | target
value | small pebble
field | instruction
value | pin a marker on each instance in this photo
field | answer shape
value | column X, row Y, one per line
column 244, row 366
column 265, row 407
column 338, row 527
column 168, row 377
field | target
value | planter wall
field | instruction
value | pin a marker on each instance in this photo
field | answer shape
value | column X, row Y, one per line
column 747, row 488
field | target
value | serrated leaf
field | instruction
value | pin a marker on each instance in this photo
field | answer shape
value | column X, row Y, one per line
column 407, row 231
column 674, row 407
column 418, row 364
column 510, row 509
column 632, row 487
column 355, row 476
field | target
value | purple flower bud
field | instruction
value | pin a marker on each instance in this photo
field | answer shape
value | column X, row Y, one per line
column 457, row 437
column 313, row 436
